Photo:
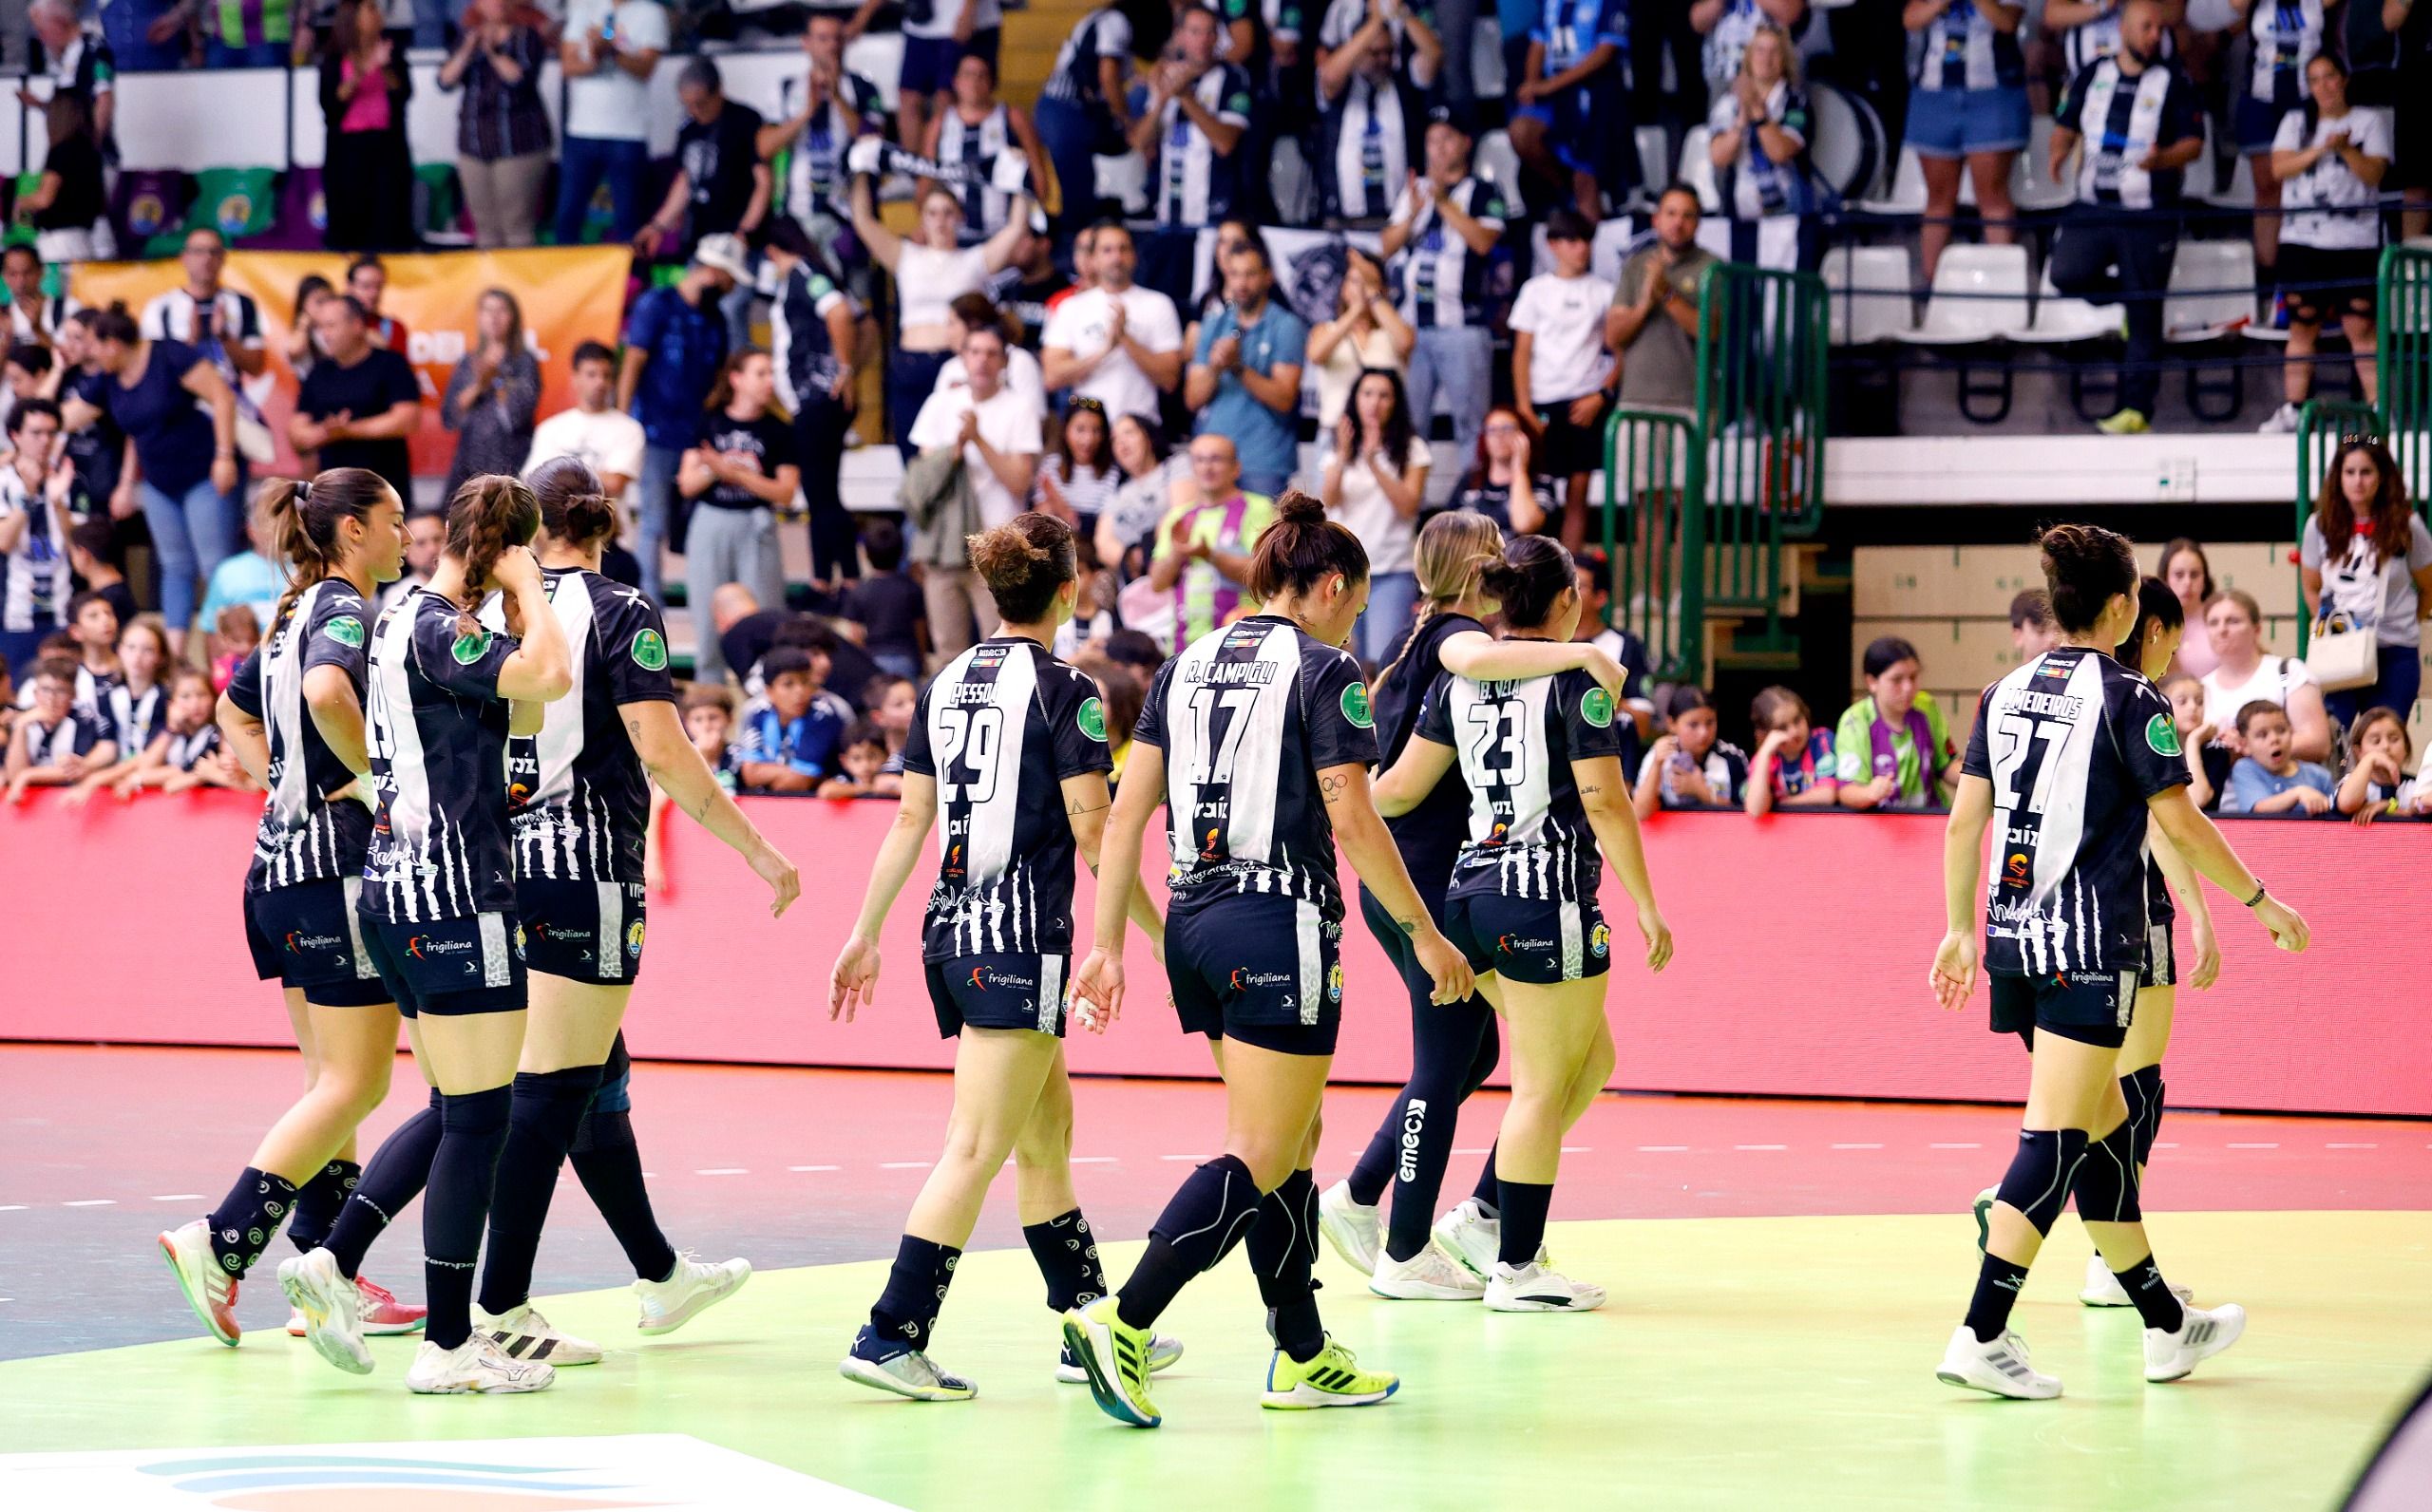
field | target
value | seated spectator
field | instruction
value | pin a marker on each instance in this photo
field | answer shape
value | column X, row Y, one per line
column 359, row 403
column 1758, row 148
column 235, row 635
column 492, row 394
column 935, row 38
column 34, row 532
column 426, row 533
column 2378, row 752
column 1571, row 122
column 1078, row 476
column 1503, row 485
column 1366, row 333
column 303, row 324
column 1113, row 341
column 2243, row 673
column 999, row 433
column 1245, row 379
column 709, row 720
column 2207, row 760
column 2185, row 568
column 92, row 624
column 1026, row 286
column 1203, row 548
column 33, row 315
column 892, row 702
column 68, row 204
column 863, row 754
column 135, row 707
column 972, row 128
column 1146, row 491
column 501, row 126
column 1893, row 748
column 1189, row 117
column 1688, row 767
column 1561, row 365
column 2384, row 581
column 607, row 440
column 58, row 741
column 1374, row 482
column 1085, row 110
column 24, row 374
column 1593, row 574
column 184, row 752
column 790, row 734
column 744, row 630
column 890, row 606
column 1794, row 765
column 368, row 181
column 2033, row 630
column 738, row 475
column 930, row 270
column 2331, row 159
column 1373, row 113
column 1968, row 107
column 2268, row 779
column 367, row 282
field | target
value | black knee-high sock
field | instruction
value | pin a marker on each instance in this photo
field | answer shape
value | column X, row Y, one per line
column 610, row 1167
column 1283, row 1248
column 318, row 1202
column 247, row 1217
column 1997, row 1284
column 1207, row 1217
column 1488, row 1194
column 461, row 1173
column 1067, row 1254
column 393, row 1177
column 2155, row 1302
column 916, row 1292
column 545, row 1107
column 1525, row 1206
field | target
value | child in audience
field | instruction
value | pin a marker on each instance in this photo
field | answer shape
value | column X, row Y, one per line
column 790, row 735
column 2268, row 779
column 888, row 605
column 185, row 754
column 709, row 720
column 93, row 623
column 2033, row 630
column 1792, row 767
column 234, row 635
column 89, row 558
column 57, row 743
column 138, row 708
column 2379, row 749
column 863, row 754
column 891, row 703
column 1688, row 767
column 2208, row 759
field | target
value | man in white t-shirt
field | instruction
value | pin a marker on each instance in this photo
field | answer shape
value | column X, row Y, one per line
column 998, row 429
column 608, row 440
column 1114, row 342
column 610, row 49
column 1559, row 366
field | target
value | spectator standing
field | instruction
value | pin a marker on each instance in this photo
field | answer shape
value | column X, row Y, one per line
column 1969, row 109
column 1078, row 478
column 721, row 186
column 1729, row 26
column 368, row 174
column 71, row 52
column 1204, row 545
column 890, row 606
column 204, row 313
column 1084, row 112
column 33, row 535
column 2246, row 671
column 1571, row 127
column 2183, row 567
column 1503, row 485
column 1114, row 341
column 2269, row 779
column 303, row 345
column 67, row 203
column 1652, row 326
column 813, row 336
column 492, row 395
column 1373, row 115
column 185, row 476
column 1188, row 120
column 607, row 440
column 837, row 105
column 997, row 430
column 242, row 36
column 1245, row 382
column 2089, row 31
column 2329, row 161
column 95, row 445
column 608, row 51
column 358, row 404
column 936, row 40
column 970, row 132
column 2380, row 578
column 33, row 315
column 2138, row 120
column 1366, row 334
column 1893, row 748
column 1373, row 484
column 1025, row 288
column 1440, row 246
column 675, row 345
column 2284, row 37
column 501, row 129
column 1560, row 364
column 1758, row 147
column 930, row 271
column 1022, row 369
column 2410, row 23
column 740, row 474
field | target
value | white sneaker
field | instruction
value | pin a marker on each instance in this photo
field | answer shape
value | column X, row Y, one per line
column 694, row 1288
column 331, row 1309
column 1470, row 1237
column 1430, row 1275
column 1164, row 1349
column 1999, row 1366
column 2202, row 1334
column 210, row 1290
column 521, row 1333
column 900, row 1371
column 1534, row 1289
column 1352, row 1228
column 2282, row 423
column 475, row 1365
column 2102, row 1289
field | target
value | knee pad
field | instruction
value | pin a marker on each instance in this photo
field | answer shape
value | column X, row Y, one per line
column 2037, row 1181
column 2106, row 1185
column 2143, row 1089
column 476, row 1113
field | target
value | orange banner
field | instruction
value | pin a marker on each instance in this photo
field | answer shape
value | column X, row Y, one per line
column 568, row 295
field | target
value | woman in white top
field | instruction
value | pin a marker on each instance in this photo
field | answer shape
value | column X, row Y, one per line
column 2379, row 576
column 1142, row 495
column 2245, row 674
column 1078, row 478
column 929, row 269
column 1376, row 478
column 2329, row 159
column 1368, row 333
column 2284, row 37
column 2185, row 568
column 1758, row 148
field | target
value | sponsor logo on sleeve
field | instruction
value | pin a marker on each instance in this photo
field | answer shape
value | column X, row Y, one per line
column 470, row 646
column 2162, row 735
column 346, row 630
column 1355, row 706
column 1596, row 706
column 1091, row 719
column 650, row 652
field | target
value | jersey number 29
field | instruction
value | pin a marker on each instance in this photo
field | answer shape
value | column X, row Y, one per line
column 970, row 736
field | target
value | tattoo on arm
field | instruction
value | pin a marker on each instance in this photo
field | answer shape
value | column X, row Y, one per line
column 1080, row 806
column 1408, row 926
column 1331, row 788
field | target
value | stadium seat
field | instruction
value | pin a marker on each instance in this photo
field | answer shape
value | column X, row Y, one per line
column 1697, row 168
column 1868, row 292
column 2218, row 277
column 1978, row 293
column 2031, row 184
column 1907, row 194
column 1497, row 162
column 2059, row 320
column 1652, row 144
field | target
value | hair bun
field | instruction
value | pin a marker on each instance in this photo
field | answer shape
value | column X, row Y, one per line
column 1499, row 579
column 1299, row 508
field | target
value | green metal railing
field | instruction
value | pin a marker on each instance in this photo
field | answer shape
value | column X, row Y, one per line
column 2403, row 420
column 1697, row 506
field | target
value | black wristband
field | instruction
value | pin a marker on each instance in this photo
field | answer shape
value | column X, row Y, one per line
column 2259, row 891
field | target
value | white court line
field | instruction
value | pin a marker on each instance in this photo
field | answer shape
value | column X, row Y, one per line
column 1940, row 1146
column 2336, row 1144
column 2267, row 1145
column 1760, row 1147
column 1094, row 1159
column 1857, row 1146
column 2172, row 1144
column 1479, row 1150
column 814, row 1168
column 181, row 1197
column 19, row 1207
column 723, row 1170
column 1177, row 1157
column 93, row 1201
column 1577, row 1150
column 904, row 1165
column 1661, row 1149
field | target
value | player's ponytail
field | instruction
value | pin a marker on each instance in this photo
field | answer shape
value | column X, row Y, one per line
column 489, row 515
column 1528, row 580
column 574, row 508
column 1302, row 548
column 2085, row 567
column 1024, row 562
column 303, row 520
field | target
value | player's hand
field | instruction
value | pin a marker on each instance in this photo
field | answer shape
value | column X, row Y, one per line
column 516, row 570
column 854, row 982
column 2288, row 931
column 1658, row 937
column 1447, row 967
column 1607, row 673
column 785, row 885
column 2207, row 957
column 1955, row 968
column 1097, row 990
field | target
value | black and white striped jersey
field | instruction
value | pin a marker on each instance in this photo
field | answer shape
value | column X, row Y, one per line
column 133, row 718
column 999, row 729
column 1528, row 834
column 438, row 736
column 185, row 753
column 1247, row 716
column 2074, row 745
column 576, row 791
column 304, row 837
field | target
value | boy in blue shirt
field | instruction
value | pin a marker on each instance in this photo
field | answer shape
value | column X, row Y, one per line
column 790, row 740
column 2268, row 779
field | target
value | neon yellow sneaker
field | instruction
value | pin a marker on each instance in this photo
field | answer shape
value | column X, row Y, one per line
column 1116, row 1358
column 2126, row 422
column 1331, row 1378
